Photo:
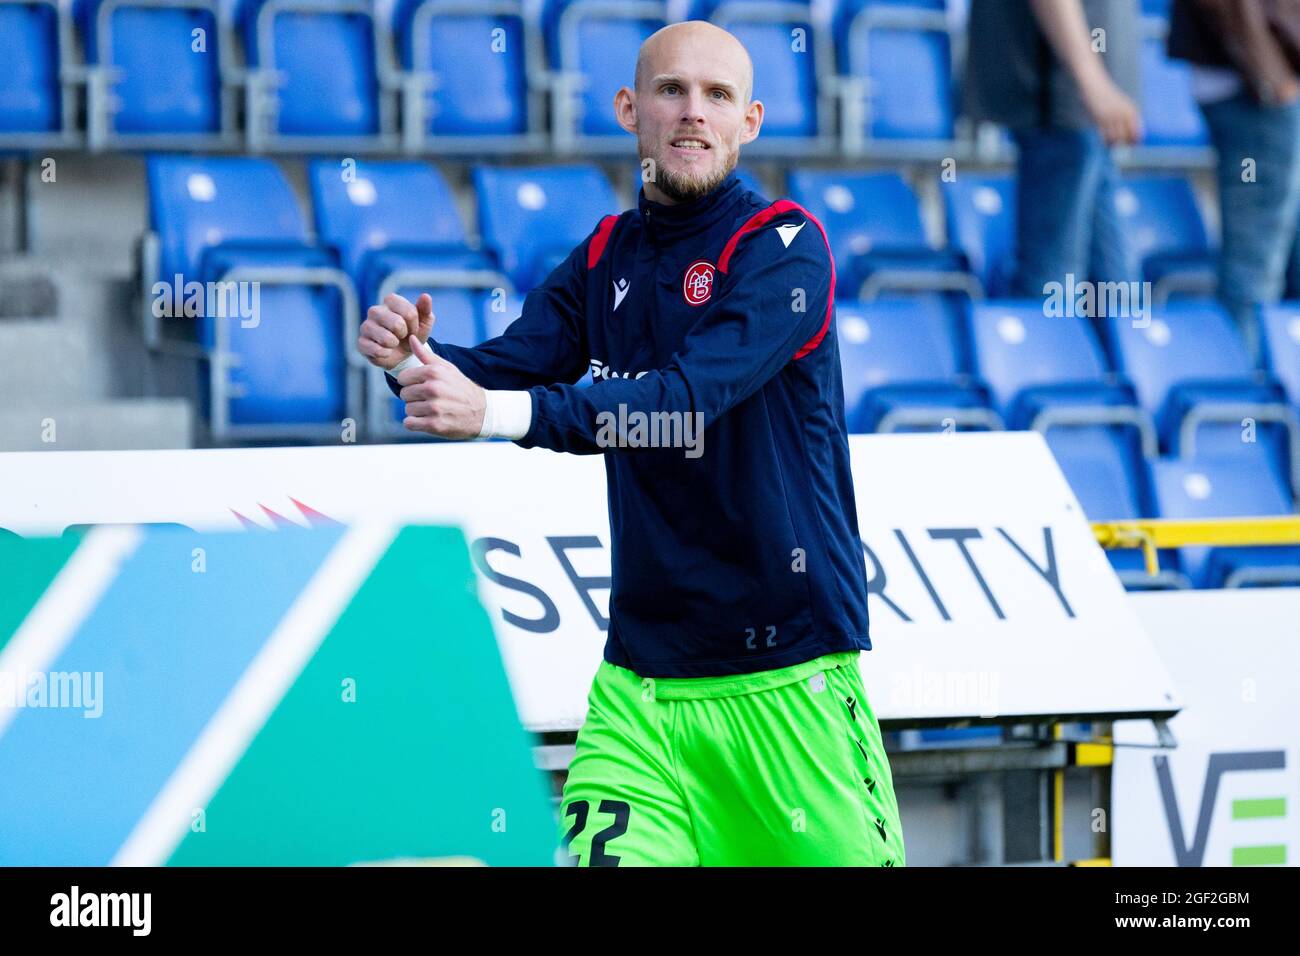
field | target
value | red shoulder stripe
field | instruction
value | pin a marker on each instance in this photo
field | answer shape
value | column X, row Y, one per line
column 758, row 221
column 600, row 240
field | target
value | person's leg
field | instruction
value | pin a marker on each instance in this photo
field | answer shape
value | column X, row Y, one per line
column 1259, row 193
column 792, row 776
column 1057, row 174
column 622, row 805
column 1111, row 257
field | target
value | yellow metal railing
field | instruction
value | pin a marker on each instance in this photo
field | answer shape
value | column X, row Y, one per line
column 1155, row 533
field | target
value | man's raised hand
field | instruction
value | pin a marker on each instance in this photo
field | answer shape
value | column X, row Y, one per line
column 385, row 334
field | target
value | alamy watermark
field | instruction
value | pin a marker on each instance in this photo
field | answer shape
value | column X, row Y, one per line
column 1086, row 299
column 964, row 692
column 76, row 690
column 220, row 300
column 638, row 429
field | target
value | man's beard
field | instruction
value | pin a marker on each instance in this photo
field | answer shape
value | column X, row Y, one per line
column 686, row 188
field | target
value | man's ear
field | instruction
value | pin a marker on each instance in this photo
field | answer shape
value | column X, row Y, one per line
column 753, row 122
column 625, row 109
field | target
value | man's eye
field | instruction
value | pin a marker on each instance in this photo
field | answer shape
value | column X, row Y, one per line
column 670, row 89
column 720, row 94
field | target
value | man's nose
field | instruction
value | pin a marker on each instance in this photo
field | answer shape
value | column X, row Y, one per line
column 693, row 108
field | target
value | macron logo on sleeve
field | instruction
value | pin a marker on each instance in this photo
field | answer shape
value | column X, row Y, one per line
column 788, row 232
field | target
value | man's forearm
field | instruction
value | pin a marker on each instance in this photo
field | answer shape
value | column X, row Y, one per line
column 1066, row 29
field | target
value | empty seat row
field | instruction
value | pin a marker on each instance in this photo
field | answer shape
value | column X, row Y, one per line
column 1115, row 483
column 1169, row 244
column 382, row 227
column 1180, row 381
column 909, row 366
column 850, row 76
column 875, row 225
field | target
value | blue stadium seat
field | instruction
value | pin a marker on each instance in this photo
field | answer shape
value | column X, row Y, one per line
column 596, row 43
column 1170, row 116
column 1281, row 325
column 1106, row 471
column 31, row 97
column 874, row 225
column 1190, row 370
column 386, row 217
column 903, row 52
column 130, row 47
column 788, row 45
column 1168, row 234
column 477, row 62
column 902, row 367
column 397, row 228
column 1033, row 362
column 290, row 362
column 981, row 218
column 314, row 66
column 499, row 312
column 532, row 218
column 1227, row 489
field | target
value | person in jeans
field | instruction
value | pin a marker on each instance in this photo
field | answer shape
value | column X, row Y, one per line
column 1244, row 56
column 1062, row 75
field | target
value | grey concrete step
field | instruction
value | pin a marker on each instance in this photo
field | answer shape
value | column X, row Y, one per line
column 112, row 425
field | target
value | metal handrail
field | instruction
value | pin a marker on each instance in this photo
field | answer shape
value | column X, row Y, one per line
column 1151, row 534
column 1113, row 415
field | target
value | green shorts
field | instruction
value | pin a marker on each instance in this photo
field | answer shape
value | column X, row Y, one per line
column 777, row 768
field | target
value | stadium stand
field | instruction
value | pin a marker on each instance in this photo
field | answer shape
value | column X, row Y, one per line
column 795, row 83
column 1281, row 327
column 903, row 369
column 316, row 75
column 530, row 219
column 1223, row 489
column 878, row 240
column 396, row 229
column 36, row 100
column 1191, row 373
column 896, row 68
column 981, row 218
column 1046, row 370
column 468, row 117
column 1108, row 472
column 591, row 46
column 1168, row 235
column 470, row 76
column 294, row 374
column 129, row 45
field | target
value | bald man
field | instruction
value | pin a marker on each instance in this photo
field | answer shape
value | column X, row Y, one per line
column 727, row 723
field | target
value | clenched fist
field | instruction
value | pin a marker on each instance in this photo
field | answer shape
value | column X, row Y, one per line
column 385, row 333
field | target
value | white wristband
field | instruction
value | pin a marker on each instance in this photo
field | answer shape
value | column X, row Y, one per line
column 508, row 414
column 404, row 363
